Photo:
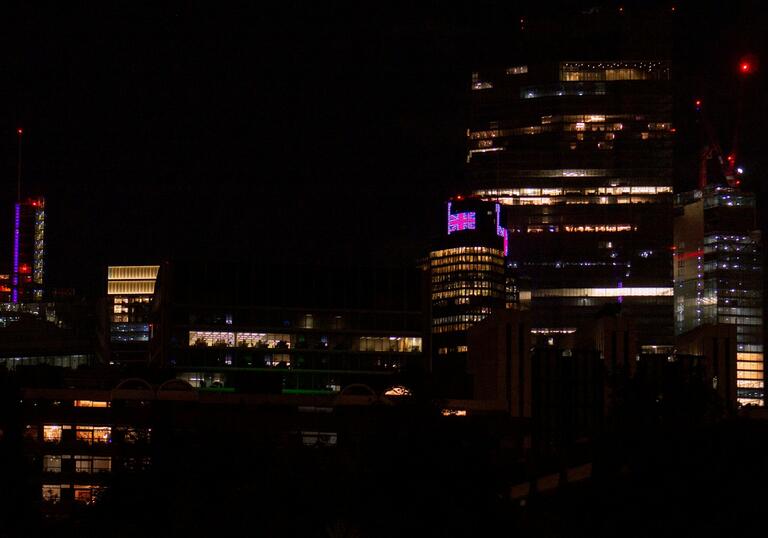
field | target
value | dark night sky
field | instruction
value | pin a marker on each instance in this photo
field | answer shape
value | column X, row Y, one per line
column 306, row 131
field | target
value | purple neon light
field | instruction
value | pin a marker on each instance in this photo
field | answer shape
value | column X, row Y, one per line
column 458, row 222
column 15, row 274
column 501, row 231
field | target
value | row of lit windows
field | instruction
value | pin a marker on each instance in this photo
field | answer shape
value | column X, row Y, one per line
column 240, row 339
column 747, row 374
column 447, row 260
column 91, row 403
column 65, row 361
column 556, row 191
column 81, row 494
column 749, row 357
column 484, row 139
column 465, row 293
column 594, row 200
column 469, row 267
column 83, row 464
column 132, row 272
column 727, row 239
column 87, row 434
column 465, row 250
column 740, row 320
column 455, row 327
column 578, row 228
column 746, row 384
column 468, row 277
column 470, row 284
column 613, row 71
column 559, row 90
column 457, row 349
column 130, row 287
column 52, row 433
column 604, row 292
column 390, row 343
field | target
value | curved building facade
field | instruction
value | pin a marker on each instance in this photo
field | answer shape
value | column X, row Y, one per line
column 580, row 156
column 467, row 274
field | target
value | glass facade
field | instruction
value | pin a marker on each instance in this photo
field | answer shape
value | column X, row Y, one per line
column 579, row 155
column 719, row 275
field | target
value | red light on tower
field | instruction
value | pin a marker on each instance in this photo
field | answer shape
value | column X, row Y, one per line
column 20, row 131
column 745, row 67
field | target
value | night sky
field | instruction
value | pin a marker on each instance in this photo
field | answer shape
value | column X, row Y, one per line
column 306, row 132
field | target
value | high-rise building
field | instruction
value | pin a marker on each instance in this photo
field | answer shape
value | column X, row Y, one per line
column 28, row 256
column 129, row 295
column 467, row 281
column 718, row 275
column 579, row 155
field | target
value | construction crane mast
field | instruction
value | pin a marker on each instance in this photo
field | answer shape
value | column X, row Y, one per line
column 712, row 150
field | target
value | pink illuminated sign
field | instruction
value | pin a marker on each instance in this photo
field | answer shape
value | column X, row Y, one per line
column 458, row 222
column 501, row 231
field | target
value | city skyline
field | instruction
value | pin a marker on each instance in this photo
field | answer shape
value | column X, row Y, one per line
column 145, row 140
column 322, row 270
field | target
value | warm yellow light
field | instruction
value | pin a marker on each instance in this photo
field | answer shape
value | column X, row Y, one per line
column 91, row 403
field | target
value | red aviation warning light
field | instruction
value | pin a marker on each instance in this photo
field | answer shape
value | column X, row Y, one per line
column 748, row 64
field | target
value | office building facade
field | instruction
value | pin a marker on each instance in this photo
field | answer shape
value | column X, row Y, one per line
column 28, row 255
column 130, row 289
column 719, row 275
column 579, row 155
column 467, row 283
column 290, row 329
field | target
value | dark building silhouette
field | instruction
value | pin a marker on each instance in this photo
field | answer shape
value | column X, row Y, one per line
column 717, row 344
column 499, row 361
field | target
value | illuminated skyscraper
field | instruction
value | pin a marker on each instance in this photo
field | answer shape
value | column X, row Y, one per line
column 579, row 155
column 28, row 255
column 719, row 275
column 467, row 280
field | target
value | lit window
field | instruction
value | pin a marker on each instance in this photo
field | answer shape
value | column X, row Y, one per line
column 93, row 434
column 93, row 464
column 454, row 412
column 87, row 494
column 51, row 493
column 517, row 70
column 91, row 403
column 51, row 433
column 51, row 464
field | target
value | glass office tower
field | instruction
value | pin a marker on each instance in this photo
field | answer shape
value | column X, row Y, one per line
column 579, row 155
column 719, row 277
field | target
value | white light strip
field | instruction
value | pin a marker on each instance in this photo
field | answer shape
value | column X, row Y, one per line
column 604, row 292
